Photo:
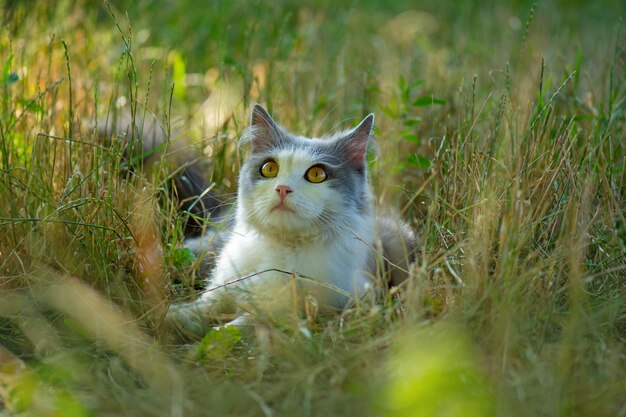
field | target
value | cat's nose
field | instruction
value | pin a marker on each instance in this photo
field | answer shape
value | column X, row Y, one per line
column 283, row 190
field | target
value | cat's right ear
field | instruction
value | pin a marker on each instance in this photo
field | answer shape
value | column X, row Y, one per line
column 261, row 118
column 263, row 132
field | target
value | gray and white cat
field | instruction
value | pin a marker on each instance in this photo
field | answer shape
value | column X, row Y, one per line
column 304, row 227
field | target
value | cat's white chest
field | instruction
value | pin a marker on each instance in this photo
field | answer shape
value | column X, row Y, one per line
column 335, row 272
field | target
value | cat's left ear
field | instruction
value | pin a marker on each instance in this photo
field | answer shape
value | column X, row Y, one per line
column 355, row 142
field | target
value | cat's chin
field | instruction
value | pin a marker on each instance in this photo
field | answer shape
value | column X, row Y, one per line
column 285, row 225
column 284, row 219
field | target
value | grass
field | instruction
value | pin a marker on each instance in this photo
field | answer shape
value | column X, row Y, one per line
column 501, row 129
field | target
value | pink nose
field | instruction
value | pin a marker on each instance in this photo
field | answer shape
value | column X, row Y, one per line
column 283, row 190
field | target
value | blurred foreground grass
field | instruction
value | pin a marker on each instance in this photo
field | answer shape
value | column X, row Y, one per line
column 501, row 128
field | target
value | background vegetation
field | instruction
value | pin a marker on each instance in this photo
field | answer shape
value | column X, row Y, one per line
column 501, row 130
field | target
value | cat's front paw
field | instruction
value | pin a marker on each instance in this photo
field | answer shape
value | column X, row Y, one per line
column 187, row 321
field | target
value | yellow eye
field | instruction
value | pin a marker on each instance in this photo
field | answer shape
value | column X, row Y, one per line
column 269, row 169
column 316, row 174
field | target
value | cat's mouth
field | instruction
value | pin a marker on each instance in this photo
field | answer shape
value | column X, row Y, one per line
column 282, row 207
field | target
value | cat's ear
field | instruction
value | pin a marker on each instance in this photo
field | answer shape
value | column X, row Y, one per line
column 263, row 132
column 355, row 142
column 261, row 118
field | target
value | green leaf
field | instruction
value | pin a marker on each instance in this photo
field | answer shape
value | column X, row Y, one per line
column 179, row 71
column 183, row 257
column 69, row 406
column 11, row 78
column 402, row 83
column 419, row 161
column 412, row 122
column 425, row 101
column 30, row 105
column 217, row 344
column 391, row 110
column 416, row 83
column 411, row 137
column 22, row 395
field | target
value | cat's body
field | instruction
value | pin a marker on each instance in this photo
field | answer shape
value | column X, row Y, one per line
column 304, row 226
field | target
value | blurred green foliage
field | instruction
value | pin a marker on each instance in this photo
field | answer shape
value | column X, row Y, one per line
column 434, row 371
column 500, row 126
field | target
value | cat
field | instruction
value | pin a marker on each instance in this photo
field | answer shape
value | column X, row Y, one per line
column 304, row 228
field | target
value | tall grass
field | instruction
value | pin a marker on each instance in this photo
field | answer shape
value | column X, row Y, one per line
column 501, row 130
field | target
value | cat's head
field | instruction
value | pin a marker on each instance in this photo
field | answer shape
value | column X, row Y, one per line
column 296, row 188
